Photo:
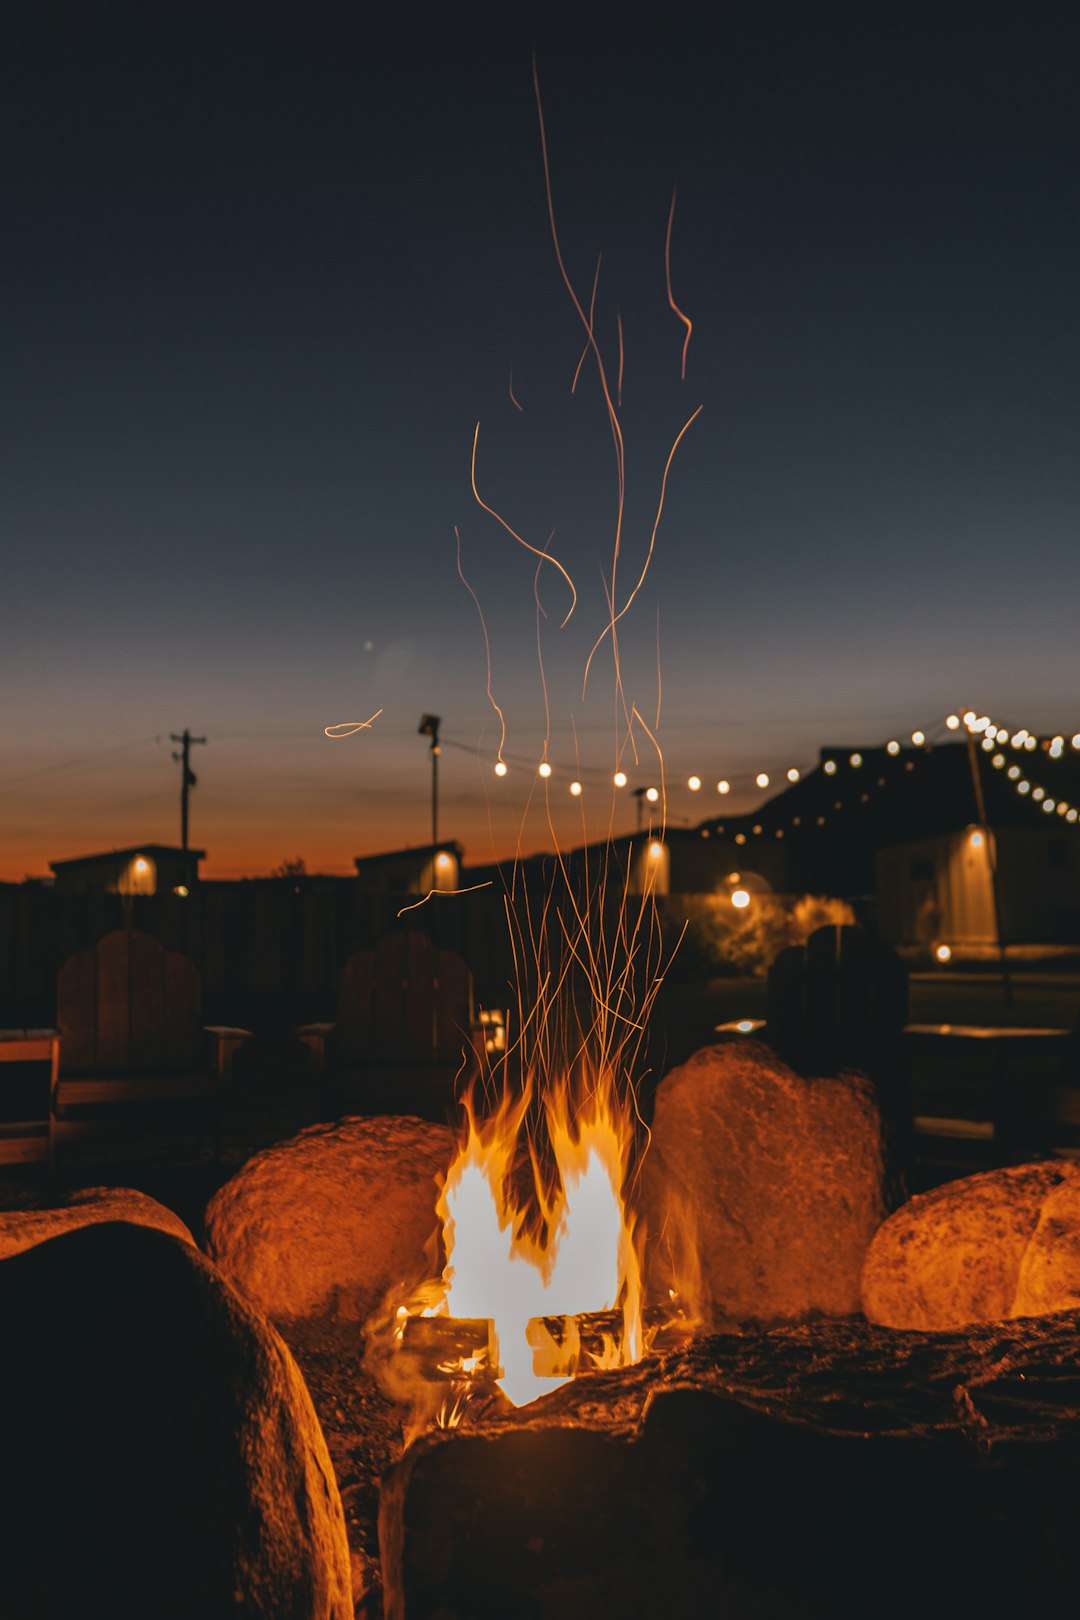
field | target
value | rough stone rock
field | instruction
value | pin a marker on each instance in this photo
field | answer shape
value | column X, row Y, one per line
column 167, row 1455
column 957, row 1254
column 1049, row 1278
column 23, row 1228
column 774, row 1183
column 782, row 1476
column 325, row 1223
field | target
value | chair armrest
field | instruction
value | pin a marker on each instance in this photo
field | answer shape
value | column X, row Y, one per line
column 317, row 1038
column 227, row 1043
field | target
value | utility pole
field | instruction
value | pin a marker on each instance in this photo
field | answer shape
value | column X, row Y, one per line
column 429, row 727
column 639, row 795
column 187, row 777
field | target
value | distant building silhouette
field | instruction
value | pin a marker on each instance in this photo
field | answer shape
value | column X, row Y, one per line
column 146, row 869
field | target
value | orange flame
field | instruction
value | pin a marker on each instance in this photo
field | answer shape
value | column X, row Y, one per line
column 564, row 1248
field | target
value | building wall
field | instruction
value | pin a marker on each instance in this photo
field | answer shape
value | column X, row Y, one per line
column 939, row 889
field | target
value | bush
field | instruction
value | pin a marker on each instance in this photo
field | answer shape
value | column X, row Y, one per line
column 722, row 942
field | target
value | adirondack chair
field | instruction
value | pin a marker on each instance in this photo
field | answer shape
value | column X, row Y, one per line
column 840, row 1002
column 405, row 1029
column 133, row 1046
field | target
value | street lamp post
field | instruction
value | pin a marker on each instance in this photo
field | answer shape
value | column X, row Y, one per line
column 429, row 727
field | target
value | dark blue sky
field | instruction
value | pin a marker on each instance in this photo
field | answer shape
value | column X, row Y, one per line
column 264, row 272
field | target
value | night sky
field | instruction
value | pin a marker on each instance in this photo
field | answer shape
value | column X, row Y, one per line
column 264, row 271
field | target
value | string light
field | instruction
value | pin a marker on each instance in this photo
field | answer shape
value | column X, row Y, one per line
column 994, row 739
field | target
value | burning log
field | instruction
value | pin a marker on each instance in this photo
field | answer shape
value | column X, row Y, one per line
column 588, row 1339
column 444, row 1349
column 448, row 1349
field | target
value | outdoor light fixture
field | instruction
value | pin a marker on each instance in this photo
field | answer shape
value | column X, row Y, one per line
column 892, row 747
column 829, row 767
column 500, row 767
column 944, row 953
column 918, row 738
column 544, row 768
column 656, row 850
column 953, row 722
column 793, row 775
column 723, row 787
column 855, row 760
column 619, row 778
column 975, row 838
column 762, row 779
column 740, row 899
column 693, row 783
column 575, row 789
column 652, row 794
column 141, row 864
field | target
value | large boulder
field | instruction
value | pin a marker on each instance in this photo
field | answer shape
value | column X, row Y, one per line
column 325, row 1223
column 1049, row 1278
column 23, row 1228
column 1000, row 1244
column 166, row 1454
column 767, row 1185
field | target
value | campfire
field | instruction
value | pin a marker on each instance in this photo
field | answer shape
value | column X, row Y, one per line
column 542, row 1275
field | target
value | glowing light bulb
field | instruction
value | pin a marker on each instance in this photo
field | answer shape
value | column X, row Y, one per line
column 829, row 767
column 1031, row 742
column 987, row 744
column 1076, row 740
column 1013, row 772
column 500, row 767
column 793, row 774
column 998, row 761
column 1048, row 805
column 918, row 738
column 944, row 953
column 544, row 768
column 855, row 760
column 762, row 779
column 575, row 789
column 975, row 839
column 619, row 778
column 740, row 899
column 652, row 794
column 1038, row 793
column 1023, row 787
column 953, row 723
column 723, row 787
column 693, row 783
column 969, row 717
column 1071, row 814
column 892, row 747
column 656, row 850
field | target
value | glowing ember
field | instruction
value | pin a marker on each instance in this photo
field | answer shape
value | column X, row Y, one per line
column 557, row 1253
